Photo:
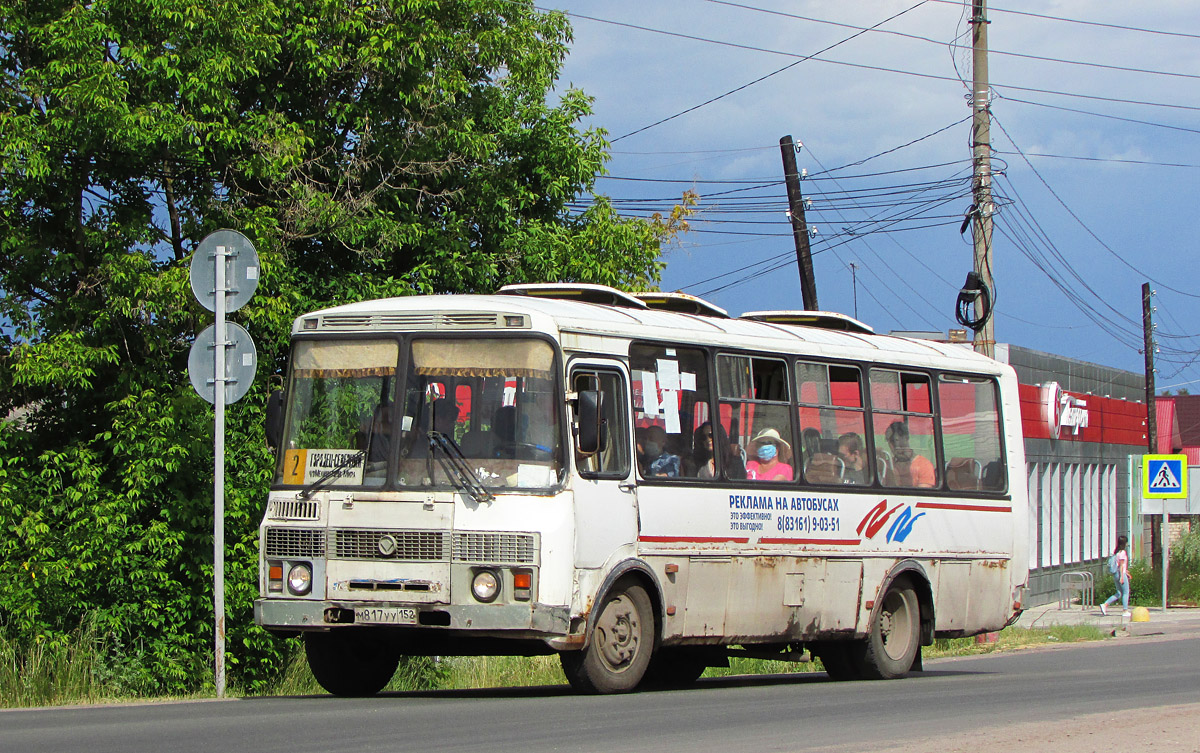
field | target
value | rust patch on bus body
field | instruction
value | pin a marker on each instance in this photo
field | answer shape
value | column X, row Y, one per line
column 994, row 564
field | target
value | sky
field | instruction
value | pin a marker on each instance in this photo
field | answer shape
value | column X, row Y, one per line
column 1097, row 164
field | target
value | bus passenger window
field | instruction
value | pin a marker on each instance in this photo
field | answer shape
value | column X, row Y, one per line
column 902, row 425
column 832, row 424
column 755, row 411
column 970, row 422
column 670, row 411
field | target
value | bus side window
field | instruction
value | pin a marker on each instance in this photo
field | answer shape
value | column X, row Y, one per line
column 970, row 422
column 612, row 460
column 670, row 411
column 903, row 425
column 832, row 424
column 753, row 392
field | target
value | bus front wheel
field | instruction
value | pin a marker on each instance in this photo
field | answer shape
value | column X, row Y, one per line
column 351, row 662
column 620, row 644
column 895, row 636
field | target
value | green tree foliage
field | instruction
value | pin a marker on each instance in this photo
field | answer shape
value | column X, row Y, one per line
column 368, row 147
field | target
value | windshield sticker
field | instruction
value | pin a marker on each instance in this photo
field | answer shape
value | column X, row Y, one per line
column 668, row 374
column 649, row 393
column 307, row 466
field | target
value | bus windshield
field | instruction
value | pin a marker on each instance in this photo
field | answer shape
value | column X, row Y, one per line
column 352, row 423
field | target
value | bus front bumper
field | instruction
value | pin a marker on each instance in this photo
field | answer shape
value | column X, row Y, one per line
column 311, row 614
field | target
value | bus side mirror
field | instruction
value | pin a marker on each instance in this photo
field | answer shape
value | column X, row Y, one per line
column 275, row 419
column 592, row 434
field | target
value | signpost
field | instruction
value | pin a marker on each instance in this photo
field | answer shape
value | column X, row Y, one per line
column 221, row 366
column 1164, row 477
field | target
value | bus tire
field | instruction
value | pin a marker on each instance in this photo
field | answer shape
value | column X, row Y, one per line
column 895, row 636
column 674, row 668
column 620, row 645
column 839, row 659
column 351, row 662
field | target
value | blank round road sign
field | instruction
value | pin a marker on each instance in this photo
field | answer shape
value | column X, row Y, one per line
column 241, row 270
column 241, row 363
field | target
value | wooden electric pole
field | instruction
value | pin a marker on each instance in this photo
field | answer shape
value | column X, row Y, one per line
column 791, row 178
column 1151, row 411
column 981, row 148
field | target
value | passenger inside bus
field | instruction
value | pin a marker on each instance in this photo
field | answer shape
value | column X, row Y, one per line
column 504, row 432
column 908, row 468
column 771, row 457
column 653, row 458
column 854, row 458
column 705, row 445
column 445, row 416
column 374, row 435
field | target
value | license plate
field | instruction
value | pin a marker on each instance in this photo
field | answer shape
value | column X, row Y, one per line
column 386, row 615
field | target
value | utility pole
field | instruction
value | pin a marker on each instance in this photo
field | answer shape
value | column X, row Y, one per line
column 791, row 178
column 981, row 147
column 1151, row 413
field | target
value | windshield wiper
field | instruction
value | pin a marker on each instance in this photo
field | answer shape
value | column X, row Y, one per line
column 454, row 463
column 325, row 477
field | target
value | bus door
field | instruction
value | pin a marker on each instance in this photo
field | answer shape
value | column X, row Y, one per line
column 605, row 500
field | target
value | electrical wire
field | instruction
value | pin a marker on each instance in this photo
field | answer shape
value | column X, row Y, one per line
column 994, row 9
column 1112, row 160
column 919, row 38
column 761, row 78
column 1096, row 114
column 1077, row 219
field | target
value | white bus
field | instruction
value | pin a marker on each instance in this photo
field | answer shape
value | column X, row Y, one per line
column 637, row 482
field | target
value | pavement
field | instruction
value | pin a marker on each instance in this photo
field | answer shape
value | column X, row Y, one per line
column 1174, row 621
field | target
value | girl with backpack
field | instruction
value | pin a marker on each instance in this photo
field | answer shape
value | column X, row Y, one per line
column 1118, row 565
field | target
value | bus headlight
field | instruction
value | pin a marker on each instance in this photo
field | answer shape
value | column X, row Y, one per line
column 300, row 579
column 485, row 586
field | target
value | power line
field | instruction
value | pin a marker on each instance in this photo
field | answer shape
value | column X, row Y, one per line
column 994, row 9
column 893, row 149
column 885, row 69
column 755, row 81
column 991, row 51
column 1096, row 114
column 1102, row 159
column 1077, row 219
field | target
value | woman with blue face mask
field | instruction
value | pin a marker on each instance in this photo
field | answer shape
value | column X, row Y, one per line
column 771, row 457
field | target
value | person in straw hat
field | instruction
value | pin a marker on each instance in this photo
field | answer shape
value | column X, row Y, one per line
column 771, row 457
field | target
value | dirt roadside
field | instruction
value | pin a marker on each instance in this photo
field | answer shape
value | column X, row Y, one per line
column 1163, row 729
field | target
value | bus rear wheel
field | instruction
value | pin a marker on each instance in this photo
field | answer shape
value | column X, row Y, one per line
column 620, row 644
column 351, row 662
column 895, row 637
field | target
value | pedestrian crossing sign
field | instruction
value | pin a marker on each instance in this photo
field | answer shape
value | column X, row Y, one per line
column 1164, row 476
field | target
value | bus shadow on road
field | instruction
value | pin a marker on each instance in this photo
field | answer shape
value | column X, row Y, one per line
column 714, row 683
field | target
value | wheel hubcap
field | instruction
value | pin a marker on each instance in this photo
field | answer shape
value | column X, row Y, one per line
column 895, row 626
column 618, row 633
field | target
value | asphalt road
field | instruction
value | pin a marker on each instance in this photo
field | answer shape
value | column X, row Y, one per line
column 759, row 714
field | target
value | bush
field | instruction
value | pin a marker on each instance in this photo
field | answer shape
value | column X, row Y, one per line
column 1145, row 582
column 1184, row 575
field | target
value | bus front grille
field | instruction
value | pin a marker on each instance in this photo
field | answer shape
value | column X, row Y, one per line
column 517, row 548
column 293, row 509
column 360, row 544
column 403, row 545
column 435, row 320
column 289, row 543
